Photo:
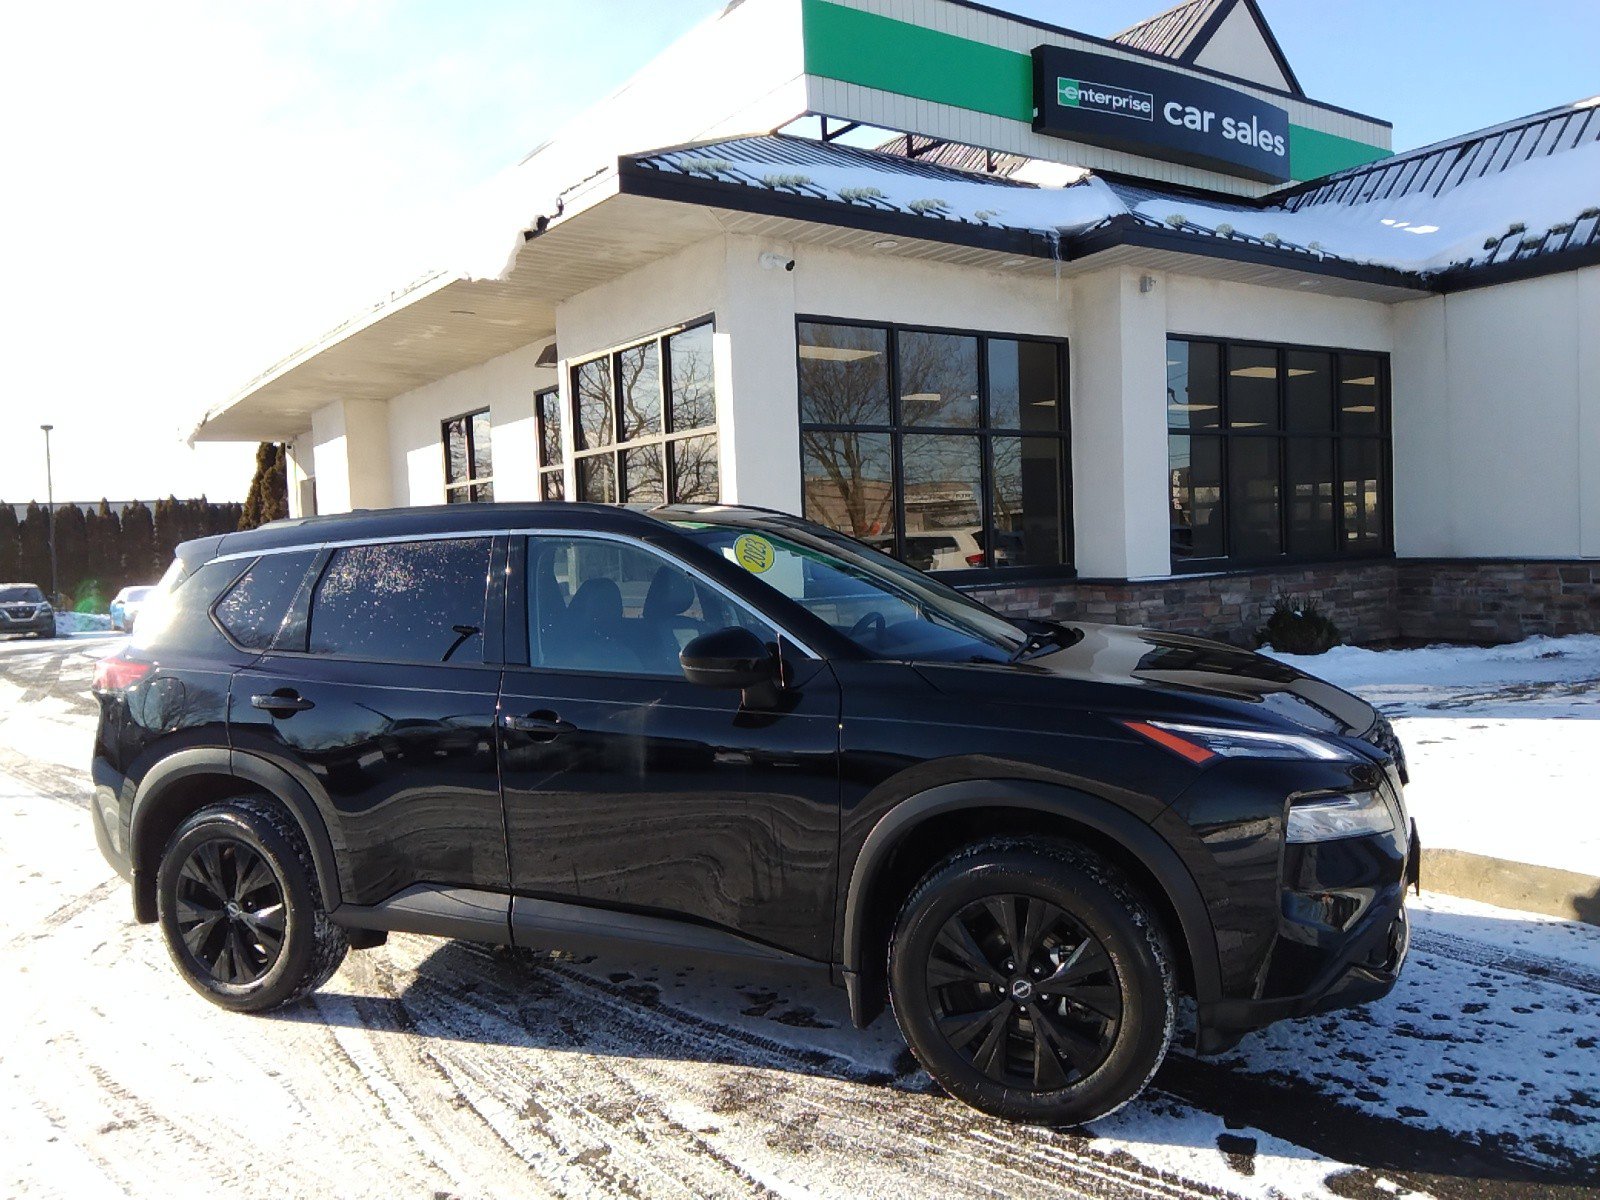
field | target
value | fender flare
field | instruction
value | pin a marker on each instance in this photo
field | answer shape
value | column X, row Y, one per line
column 1128, row 831
column 248, row 768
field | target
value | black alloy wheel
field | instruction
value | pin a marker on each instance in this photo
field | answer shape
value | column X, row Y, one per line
column 230, row 911
column 1032, row 981
column 1024, row 992
column 239, row 905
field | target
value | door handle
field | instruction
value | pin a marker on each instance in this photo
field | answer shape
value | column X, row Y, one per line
column 285, row 702
column 542, row 725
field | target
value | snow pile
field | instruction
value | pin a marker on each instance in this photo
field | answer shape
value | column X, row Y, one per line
column 1500, row 741
column 1535, row 660
column 68, row 623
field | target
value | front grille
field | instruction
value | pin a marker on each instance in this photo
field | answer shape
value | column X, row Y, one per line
column 20, row 614
column 1383, row 736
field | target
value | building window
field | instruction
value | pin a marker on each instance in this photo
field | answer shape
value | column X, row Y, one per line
column 1275, row 453
column 552, row 474
column 946, row 449
column 644, row 423
column 468, row 464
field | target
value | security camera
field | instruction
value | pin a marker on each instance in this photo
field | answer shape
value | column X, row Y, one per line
column 773, row 261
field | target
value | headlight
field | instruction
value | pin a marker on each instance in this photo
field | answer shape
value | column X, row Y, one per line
column 1199, row 743
column 1328, row 818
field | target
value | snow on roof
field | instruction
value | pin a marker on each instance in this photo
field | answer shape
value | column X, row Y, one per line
column 1523, row 189
column 794, row 166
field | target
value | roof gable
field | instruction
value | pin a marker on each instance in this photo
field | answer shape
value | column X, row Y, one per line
column 1227, row 36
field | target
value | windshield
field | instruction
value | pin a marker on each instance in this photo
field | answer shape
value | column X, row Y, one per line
column 26, row 593
column 883, row 606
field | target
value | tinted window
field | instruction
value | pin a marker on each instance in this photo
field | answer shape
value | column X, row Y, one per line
column 947, row 459
column 610, row 607
column 404, row 602
column 253, row 609
column 844, row 375
column 180, row 619
column 24, row 595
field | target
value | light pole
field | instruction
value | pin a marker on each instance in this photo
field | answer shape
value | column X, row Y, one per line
column 50, row 508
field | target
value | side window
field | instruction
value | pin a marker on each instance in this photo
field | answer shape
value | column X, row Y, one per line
column 610, row 607
column 254, row 608
column 177, row 620
column 820, row 584
column 421, row 602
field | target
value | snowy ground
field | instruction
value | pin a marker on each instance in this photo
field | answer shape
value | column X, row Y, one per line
column 440, row 1068
column 1501, row 741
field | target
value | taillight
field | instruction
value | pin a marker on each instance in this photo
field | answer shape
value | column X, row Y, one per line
column 975, row 560
column 115, row 674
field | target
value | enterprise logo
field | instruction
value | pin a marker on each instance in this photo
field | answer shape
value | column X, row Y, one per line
column 1098, row 97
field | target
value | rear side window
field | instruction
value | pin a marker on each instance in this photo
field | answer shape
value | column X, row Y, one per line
column 253, row 610
column 421, row 602
column 179, row 620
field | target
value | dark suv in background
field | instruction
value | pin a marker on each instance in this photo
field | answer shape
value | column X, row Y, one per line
column 25, row 609
column 734, row 735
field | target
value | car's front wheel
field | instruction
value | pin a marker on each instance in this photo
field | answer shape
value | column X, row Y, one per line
column 236, row 894
column 1032, row 982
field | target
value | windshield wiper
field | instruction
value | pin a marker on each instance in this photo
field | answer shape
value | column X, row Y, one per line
column 1051, row 635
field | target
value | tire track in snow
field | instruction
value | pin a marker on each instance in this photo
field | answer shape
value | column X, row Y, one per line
column 728, row 1071
column 571, row 1101
column 1511, row 962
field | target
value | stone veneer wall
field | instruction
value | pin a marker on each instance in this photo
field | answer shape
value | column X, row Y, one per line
column 1488, row 601
column 1471, row 601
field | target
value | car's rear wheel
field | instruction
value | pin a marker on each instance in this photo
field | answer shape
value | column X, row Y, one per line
column 237, row 898
column 1032, row 982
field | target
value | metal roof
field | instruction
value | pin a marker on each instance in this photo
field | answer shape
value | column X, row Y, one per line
column 771, row 166
column 1172, row 33
column 1435, row 169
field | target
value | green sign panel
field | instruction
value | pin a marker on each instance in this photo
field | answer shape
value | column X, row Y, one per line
column 878, row 52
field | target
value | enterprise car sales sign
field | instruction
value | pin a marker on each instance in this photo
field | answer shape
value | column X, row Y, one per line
column 1158, row 113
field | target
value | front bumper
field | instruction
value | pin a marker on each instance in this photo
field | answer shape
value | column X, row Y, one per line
column 46, row 623
column 1338, row 945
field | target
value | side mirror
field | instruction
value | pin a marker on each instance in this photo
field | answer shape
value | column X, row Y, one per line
column 729, row 658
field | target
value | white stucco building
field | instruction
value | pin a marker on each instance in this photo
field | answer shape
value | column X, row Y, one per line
column 1126, row 329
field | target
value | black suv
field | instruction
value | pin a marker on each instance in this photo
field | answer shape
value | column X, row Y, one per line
column 24, row 609
column 734, row 735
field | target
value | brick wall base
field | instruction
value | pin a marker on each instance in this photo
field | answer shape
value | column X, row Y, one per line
column 1471, row 601
column 1466, row 601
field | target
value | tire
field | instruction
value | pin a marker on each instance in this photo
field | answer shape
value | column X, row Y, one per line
column 987, row 1028
column 267, row 941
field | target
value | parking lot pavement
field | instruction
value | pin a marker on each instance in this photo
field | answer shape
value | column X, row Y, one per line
column 445, row 1068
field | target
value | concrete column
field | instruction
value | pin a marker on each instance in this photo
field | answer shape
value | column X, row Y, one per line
column 755, row 369
column 301, row 477
column 1588, row 286
column 350, row 450
column 1119, row 425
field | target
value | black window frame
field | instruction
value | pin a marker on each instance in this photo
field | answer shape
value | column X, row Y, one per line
column 897, row 428
column 472, row 482
column 548, row 470
column 1335, row 436
column 664, row 441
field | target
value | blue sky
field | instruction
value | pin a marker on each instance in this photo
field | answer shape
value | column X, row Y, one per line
column 196, row 189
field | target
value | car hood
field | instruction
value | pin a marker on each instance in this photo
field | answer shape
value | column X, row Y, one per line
column 1116, row 660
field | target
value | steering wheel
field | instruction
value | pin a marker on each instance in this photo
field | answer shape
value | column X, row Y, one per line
column 872, row 620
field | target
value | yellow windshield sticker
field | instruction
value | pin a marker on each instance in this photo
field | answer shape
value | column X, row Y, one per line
column 754, row 553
